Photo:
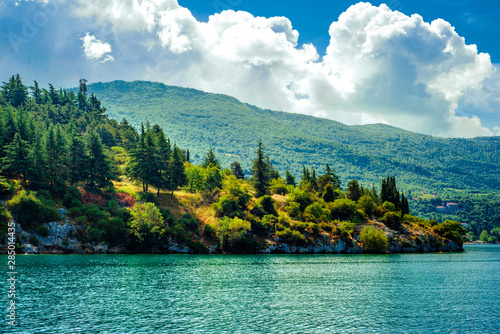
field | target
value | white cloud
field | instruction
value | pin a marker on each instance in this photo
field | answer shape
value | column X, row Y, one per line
column 96, row 49
column 380, row 66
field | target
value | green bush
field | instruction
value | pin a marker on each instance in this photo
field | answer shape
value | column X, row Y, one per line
column 226, row 206
column 388, row 206
column 146, row 224
column 451, row 230
column 189, row 222
column 293, row 209
column 343, row 209
column 367, row 204
column 278, row 186
column 72, row 197
column 30, row 211
column 301, row 197
column 315, row 212
column 6, row 188
column 197, row 247
column 34, row 240
column 327, row 227
column 392, row 220
column 373, row 240
column 330, row 194
column 4, row 222
column 148, row 197
column 42, row 230
column 289, row 236
column 209, row 232
column 231, row 230
column 267, row 204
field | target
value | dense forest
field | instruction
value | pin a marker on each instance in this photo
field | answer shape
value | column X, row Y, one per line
column 61, row 152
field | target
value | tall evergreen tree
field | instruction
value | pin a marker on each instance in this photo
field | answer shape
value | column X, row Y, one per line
column 37, row 174
column 162, row 173
column 79, row 160
column 178, row 172
column 14, row 91
column 57, row 152
column 353, row 190
column 237, row 170
column 100, row 169
column 210, row 159
column 259, row 170
column 16, row 160
column 330, row 177
column 37, row 93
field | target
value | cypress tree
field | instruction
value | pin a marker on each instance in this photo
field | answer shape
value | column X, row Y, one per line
column 259, row 171
column 353, row 190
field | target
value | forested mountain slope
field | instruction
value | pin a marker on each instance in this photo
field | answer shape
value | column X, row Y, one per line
column 200, row 120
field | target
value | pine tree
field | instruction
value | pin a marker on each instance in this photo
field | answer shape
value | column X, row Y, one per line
column 100, row 169
column 16, row 160
column 138, row 167
column 57, row 152
column 79, row 160
column 178, row 172
column 260, row 171
column 289, row 178
column 37, row 174
column 353, row 190
column 210, row 159
column 188, row 158
column 237, row 170
column 14, row 91
column 162, row 173
column 37, row 93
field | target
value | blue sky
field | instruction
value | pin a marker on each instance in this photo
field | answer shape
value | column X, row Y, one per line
column 427, row 66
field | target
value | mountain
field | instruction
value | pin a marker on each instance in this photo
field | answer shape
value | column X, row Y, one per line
column 199, row 121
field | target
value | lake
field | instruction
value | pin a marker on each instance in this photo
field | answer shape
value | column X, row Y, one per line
column 397, row 293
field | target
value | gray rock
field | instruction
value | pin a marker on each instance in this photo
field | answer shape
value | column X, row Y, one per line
column 29, row 249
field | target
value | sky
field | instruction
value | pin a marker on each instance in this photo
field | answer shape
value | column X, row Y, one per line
column 428, row 66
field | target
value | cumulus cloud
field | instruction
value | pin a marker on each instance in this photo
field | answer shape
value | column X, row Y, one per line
column 380, row 66
column 96, row 49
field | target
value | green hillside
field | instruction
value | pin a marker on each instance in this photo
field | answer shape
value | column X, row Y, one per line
column 199, row 121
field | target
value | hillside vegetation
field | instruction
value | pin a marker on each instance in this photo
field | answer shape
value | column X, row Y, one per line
column 75, row 180
column 201, row 121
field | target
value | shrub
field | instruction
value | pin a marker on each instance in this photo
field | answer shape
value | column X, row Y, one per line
column 315, row 212
column 34, row 240
column 388, row 206
column 327, row 227
column 367, row 204
column 330, row 194
column 30, row 211
column 209, row 232
column 289, row 236
column 278, row 186
column 4, row 221
column 392, row 220
column 343, row 209
column 167, row 216
column 190, row 222
column 197, row 247
column 42, row 230
column 301, row 197
column 72, row 197
column 373, row 240
column 6, row 189
column 231, row 230
column 226, row 206
column 113, row 206
column 94, row 213
column 293, row 209
column 451, row 230
column 146, row 223
column 148, row 197
column 267, row 204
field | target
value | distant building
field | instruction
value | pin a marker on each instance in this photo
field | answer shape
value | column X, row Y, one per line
column 446, row 207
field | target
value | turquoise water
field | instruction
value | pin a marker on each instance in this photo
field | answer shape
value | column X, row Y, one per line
column 401, row 293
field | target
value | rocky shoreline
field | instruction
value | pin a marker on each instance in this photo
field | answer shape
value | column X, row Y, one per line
column 61, row 239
